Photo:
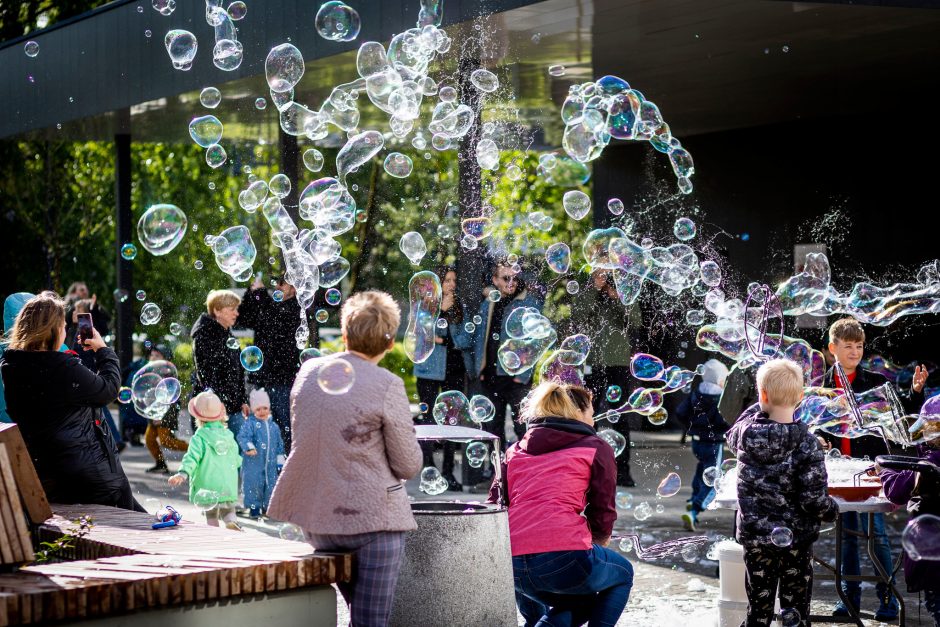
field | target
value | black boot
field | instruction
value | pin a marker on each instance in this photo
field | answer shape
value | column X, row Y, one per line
column 159, row 467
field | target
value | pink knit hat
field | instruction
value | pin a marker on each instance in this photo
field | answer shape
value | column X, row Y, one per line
column 206, row 407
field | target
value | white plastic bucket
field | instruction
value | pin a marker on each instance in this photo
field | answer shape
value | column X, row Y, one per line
column 731, row 613
column 731, row 572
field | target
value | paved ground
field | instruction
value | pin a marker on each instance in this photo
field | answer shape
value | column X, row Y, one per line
column 672, row 593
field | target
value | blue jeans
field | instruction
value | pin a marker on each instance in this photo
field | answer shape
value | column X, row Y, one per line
column 280, row 410
column 568, row 588
column 707, row 455
column 852, row 521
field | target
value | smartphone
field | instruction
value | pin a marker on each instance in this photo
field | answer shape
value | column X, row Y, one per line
column 85, row 327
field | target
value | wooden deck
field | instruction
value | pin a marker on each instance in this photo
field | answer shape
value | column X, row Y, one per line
column 125, row 566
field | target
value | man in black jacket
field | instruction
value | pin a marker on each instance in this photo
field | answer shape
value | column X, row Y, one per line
column 275, row 322
column 847, row 344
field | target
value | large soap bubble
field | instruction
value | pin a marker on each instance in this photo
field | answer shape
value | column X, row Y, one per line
column 206, row 130
column 161, row 228
column 577, row 204
column 337, row 21
column 398, row 165
column 336, row 376
column 452, row 408
column 615, row 439
column 210, row 97
column 558, row 257
column 359, row 149
column 235, row 252
column 921, row 538
column 151, row 386
column 413, row 246
column 484, row 80
column 283, row 67
column 424, row 291
column 476, row 454
column 150, row 314
column 251, row 358
column 481, row 408
column 181, row 45
column 669, row 486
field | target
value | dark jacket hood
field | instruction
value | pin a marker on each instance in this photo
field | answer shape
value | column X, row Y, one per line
column 207, row 327
column 766, row 441
column 552, row 433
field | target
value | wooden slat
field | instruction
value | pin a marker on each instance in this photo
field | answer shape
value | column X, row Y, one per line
column 16, row 527
column 24, row 474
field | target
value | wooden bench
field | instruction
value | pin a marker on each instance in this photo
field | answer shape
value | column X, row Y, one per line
column 176, row 574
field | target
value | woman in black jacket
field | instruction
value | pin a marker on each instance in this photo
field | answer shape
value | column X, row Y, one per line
column 56, row 402
column 218, row 367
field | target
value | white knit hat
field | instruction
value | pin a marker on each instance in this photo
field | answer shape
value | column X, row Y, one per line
column 715, row 373
column 259, row 398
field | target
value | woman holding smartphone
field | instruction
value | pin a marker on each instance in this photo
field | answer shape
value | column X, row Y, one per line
column 56, row 401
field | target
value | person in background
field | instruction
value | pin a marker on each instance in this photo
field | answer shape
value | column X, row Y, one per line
column 561, row 482
column 275, row 323
column 211, row 463
column 598, row 313
column 706, row 427
column 499, row 386
column 847, row 345
column 11, row 307
column 217, row 364
column 444, row 370
column 162, row 433
column 263, row 454
column 782, row 495
column 100, row 317
column 740, row 393
column 56, row 402
column 354, row 446
column 921, row 493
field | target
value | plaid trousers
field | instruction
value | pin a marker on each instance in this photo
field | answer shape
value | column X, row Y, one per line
column 376, row 565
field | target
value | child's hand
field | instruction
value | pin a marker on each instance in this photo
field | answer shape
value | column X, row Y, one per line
column 251, row 452
column 920, row 378
column 177, row 479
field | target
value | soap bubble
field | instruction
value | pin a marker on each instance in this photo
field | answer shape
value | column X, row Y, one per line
column 477, row 228
column 150, row 314
column 120, row 295
column 469, row 327
column 215, row 156
column 710, row 476
column 181, row 45
column 128, row 251
column 481, row 408
column 147, row 383
column 176, row 328
column 646, row 367
column 31, row 49
column 322, row 316
column 558, row 257
column 140, row 295
column 643, row 511
column 124, row 395
column 205, row 500
column 235, row 252
column 167, row 391
column 336, row 376
column 494, row 296
column 615, row 206
column 333, row 296
column 432, row 482
column 205, row 130
column 309, row 353
column 357, row 150
column 790, row 617
column 476, row 454
column 577, row 204
column 452, row 408
column 614, row 394
column 921, row 538
column 237, row 10
column 513, row 172
column 572, row 287
column 227, row 54
column 232, row 343
column 164, row 7
column 658, row 417
column 695, row 317
column 291, row 532
column 548, row 161
column 398, row 165
column 337, row 21
column 210, row 97
column 669, row 486
column 161, row 228
column 684, row 229
column 283, row 67
column 615, row 439
column 424, row 290
column 251, row 358
column 624, row 499
column 313, row 160
column 487, row 154
column 261, row 104
column 333, row 271
column 625, row 545
column 781, row 536
column 484, row 80
column 556, row 70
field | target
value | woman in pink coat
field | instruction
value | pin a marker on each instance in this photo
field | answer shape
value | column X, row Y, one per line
column 353, row 446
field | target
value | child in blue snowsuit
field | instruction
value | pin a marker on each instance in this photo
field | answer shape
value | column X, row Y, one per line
column 262, row 453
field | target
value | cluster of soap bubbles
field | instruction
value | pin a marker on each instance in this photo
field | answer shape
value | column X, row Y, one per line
column 595, row 112
column 453, row 408
column 227, row 53
column 154, row 388
column 530, row 335
column 234, row 251
column 206, row 131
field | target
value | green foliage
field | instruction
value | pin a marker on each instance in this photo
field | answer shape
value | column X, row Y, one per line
column 55, row 549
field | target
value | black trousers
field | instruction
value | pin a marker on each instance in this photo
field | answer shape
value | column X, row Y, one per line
column 765, row 567
column 503, row 391
column 600, row 379
column 428, row 390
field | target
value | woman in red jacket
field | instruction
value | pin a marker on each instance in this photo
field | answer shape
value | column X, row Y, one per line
column 561, row 485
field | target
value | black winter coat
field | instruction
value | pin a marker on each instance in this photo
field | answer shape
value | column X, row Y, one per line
column 700, row 413
column 865, row 380
column 218, row 367
column 56, row 402
column 275, row 325
column 781, row 480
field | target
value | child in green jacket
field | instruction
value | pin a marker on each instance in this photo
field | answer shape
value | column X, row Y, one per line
column 211, row 464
